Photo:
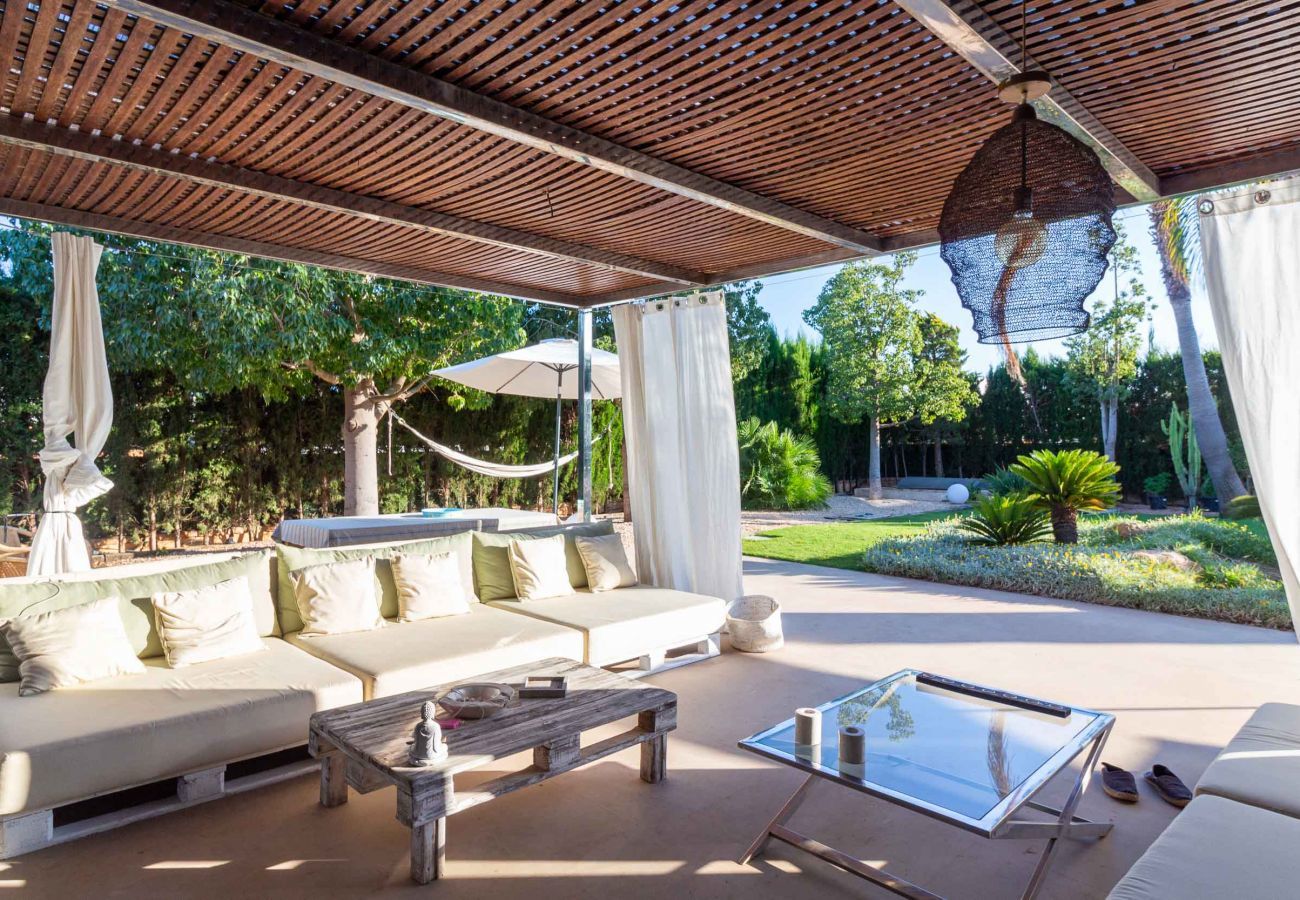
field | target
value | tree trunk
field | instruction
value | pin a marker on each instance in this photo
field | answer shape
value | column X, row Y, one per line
column 938, row 456
column 360, row 450
column 1109, row 408
column 874, row 489
column 1065, row 525
column 1200, row 401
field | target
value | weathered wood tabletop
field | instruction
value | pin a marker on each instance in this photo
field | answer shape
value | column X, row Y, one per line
column 365, row 746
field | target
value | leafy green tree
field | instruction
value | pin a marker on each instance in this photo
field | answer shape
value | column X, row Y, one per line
column 748, row 325
column 942, row 391
column 223, row 322
column 1175, row 226
column 23, row 352
column 871, row 338
column 1105, row 357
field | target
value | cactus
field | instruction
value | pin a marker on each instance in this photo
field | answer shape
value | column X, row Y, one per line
column 1186, row 453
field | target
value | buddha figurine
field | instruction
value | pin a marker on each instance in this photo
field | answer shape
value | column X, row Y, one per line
column 428, row 746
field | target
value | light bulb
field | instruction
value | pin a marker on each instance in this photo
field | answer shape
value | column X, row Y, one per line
column 1020, row 241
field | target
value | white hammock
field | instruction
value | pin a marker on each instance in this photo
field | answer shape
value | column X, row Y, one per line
column 495, row 470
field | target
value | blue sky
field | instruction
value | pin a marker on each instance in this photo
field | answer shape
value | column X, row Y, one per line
column 785, row 297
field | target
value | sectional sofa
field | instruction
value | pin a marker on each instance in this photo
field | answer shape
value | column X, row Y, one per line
column 1240, row 835
column 191, row 723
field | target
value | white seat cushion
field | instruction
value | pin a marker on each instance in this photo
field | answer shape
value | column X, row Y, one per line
column 408, row 656
column 1261, row 765
column 625, row 623
column 99, row 737
column 1214, row 849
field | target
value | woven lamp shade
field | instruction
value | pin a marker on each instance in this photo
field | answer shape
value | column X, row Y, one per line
column 1024, row 261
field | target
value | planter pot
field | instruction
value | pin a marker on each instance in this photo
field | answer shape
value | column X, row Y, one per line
column 754, row 623
column 1155, row 501
column 1208, row 504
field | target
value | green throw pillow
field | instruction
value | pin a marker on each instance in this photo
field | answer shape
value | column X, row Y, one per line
column 293, row 558
column 492, row 577
column 22, row 599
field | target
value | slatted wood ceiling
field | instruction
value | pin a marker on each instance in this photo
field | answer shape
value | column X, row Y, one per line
column 849, row 110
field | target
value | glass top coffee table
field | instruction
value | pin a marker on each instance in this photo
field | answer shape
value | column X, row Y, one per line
column 964, row 754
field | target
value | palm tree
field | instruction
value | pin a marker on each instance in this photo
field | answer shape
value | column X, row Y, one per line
column 1175, row 228
column 1063, row 482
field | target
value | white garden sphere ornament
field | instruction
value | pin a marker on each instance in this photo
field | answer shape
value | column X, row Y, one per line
column 957, row 493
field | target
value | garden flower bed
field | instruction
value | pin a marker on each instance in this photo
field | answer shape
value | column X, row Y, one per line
column 1187, row 565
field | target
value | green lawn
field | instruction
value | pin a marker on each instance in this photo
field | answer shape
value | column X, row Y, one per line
column 839, row 544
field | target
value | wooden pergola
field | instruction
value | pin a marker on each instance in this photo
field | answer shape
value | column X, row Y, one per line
column 584, row 153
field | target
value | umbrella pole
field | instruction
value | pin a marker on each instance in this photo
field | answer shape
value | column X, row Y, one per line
column 555, row 488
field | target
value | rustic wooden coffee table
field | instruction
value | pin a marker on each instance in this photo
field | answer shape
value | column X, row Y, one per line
column 365, row 745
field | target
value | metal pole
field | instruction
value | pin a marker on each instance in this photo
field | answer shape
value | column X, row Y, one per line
column 559, row 393
column 584, row 414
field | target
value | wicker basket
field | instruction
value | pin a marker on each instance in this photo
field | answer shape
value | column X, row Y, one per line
column 754, row 623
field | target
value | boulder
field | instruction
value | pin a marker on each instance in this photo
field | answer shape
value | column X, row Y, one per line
column 1129, row 530
column 1168, row 558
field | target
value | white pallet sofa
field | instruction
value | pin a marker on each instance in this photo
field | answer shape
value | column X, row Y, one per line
column 1240, row 834
column 192, row 724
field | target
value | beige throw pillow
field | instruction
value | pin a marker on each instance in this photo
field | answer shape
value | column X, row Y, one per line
column 335, row 598
column 70, row 646
column 429, row 586
column 606, row 562
column 539, row 568
column 207, row 623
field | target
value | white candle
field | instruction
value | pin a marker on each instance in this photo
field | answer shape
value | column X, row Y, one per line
column 807, row 726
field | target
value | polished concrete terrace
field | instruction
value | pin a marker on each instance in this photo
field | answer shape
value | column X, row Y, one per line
column 1179, row 687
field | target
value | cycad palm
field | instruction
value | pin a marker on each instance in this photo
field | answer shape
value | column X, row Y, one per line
column 1066, row 481
column 1175, row 227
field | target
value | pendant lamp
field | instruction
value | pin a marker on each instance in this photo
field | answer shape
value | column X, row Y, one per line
column 1027, row 228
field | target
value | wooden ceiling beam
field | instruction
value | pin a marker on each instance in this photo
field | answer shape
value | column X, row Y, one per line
column 75, row 218
column 974, row 36
column 227, row 24
column 81, row 145
column 1252, row 168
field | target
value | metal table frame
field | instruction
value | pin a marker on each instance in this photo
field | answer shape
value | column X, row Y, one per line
column 1000, row 823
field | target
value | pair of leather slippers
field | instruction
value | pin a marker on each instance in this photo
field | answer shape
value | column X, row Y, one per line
column 1121, row 784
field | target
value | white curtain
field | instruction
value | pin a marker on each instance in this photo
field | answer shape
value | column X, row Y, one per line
column 679, row 420
column 1251, row 244
column 77, row 401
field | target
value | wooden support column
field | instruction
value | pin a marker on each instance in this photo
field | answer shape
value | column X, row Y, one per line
column 584, row 414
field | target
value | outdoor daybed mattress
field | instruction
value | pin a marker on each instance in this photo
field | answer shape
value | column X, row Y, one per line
column 134, row 729
column 619, row 625
column 1215, row 849
column 409, row 656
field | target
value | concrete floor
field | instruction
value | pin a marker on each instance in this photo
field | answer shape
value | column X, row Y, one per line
column 1179, row 687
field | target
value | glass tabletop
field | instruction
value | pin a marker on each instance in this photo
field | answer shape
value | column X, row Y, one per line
column 970, row 759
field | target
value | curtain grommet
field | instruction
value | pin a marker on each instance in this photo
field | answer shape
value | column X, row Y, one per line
column 1263, row 196
column 1205, row 207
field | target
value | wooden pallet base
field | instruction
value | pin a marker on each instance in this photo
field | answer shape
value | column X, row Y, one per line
column 31, row 831
column 666, row 658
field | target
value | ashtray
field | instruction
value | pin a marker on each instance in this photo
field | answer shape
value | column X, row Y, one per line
column 476, row 701
column 537, row 687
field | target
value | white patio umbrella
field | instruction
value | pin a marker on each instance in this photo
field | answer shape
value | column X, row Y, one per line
column 77, row 400
column 545, row 369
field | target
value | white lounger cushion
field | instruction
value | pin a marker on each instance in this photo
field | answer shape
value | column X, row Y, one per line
column 625, row 623
column 1261, row 765
column 408, row 656
column 82, row 741
column 1218, row 849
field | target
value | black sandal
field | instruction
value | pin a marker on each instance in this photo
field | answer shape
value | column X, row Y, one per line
column 1119, row 783
column 1169, row 786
